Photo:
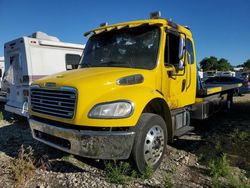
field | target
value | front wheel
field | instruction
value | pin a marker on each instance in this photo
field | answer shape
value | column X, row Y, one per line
column 150, row 142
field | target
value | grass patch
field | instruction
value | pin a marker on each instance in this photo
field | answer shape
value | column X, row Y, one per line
column 239, row 135
column 119, row 172
column 219, row 169
column 219, row 166
column 122, row 173
column 23, row 167
column 148, row 173
column 67, row 157
column 168, row 182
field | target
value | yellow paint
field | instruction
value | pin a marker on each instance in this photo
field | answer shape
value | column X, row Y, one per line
column 98, row 85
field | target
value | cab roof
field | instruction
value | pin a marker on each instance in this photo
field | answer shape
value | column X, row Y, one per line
column 160, row 22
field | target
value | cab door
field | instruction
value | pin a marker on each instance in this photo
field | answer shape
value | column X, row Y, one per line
column 176, row 72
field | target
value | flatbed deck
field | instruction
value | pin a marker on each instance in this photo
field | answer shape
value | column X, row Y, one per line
column 217, row 88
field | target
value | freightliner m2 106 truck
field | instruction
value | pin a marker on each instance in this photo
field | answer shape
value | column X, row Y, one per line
column 136, row 89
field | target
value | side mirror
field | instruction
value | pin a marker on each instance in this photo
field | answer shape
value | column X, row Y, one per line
column 181, row 48
column 180, row 65
column 181, row 53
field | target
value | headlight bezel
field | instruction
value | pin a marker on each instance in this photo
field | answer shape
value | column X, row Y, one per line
column 111, row 117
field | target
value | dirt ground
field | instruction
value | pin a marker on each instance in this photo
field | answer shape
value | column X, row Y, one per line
column 186, row 162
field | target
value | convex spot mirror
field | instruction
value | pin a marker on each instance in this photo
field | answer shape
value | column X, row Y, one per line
column 181, row 53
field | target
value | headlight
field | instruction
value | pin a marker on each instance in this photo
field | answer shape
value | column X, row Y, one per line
column 118, row 109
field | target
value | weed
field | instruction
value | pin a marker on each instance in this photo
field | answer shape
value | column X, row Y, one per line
column 23, row 167
column 67, row 157
column 219, row 166
column 218, row 147
column 168, row 182
column 1, row 115
column 118, row 173
column 238, row 183
column 216, row 182
column 238, row 135
column 148, row 173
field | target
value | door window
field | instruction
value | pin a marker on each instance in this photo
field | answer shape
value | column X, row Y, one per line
column 172, row 49
column 190, row 50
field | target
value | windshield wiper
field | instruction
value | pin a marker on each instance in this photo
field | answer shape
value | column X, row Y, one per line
column 82, row 65
column 115, row 63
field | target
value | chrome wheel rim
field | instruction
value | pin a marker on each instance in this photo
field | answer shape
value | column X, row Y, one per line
column 154, row 145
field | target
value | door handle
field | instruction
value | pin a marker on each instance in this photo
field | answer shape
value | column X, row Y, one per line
column 183, row 86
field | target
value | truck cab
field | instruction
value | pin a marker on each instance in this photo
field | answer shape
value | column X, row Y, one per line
column 135, row 90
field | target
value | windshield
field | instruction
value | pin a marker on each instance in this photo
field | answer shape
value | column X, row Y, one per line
column 131, row 47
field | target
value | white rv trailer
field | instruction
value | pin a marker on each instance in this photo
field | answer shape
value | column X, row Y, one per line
column 2, row 93
column 31, row 58
column 1, row 69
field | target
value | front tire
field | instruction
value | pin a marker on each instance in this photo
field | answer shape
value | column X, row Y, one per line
column 150, row 142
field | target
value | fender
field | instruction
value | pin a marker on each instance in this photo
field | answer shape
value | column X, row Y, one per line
column 140, row 96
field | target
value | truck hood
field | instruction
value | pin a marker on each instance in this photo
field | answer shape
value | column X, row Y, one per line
column 99, row 85
column 91, row 77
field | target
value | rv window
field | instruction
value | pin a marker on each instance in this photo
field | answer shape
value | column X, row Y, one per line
column 72, row 61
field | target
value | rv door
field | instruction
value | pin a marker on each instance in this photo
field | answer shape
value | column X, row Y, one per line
column 14, row 74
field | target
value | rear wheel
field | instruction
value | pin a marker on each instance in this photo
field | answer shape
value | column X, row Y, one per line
column 150, row 142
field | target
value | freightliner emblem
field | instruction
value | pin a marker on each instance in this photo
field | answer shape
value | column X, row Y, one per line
column 50, row 84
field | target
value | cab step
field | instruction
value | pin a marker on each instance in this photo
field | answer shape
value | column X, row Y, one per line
column 183, row 130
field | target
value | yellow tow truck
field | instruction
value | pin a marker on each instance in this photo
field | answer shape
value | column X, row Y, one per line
column 136, row 88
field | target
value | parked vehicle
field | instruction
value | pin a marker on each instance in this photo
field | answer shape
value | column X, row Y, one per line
column 1, row 68
column 226, row 73
column 219, row 80
column 30, row 58
column 136, row 89
column 2, row 93
column 209, row 74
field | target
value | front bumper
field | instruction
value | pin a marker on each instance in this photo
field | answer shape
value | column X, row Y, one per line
column 16, row 110
column 91, row 144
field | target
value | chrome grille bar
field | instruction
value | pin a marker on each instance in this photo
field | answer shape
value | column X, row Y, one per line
column 54, row 102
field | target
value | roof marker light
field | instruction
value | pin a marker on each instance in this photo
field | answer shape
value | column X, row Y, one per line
column 104, row 24
column 155, row 15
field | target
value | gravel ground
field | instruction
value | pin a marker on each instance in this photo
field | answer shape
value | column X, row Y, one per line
column 185, row 162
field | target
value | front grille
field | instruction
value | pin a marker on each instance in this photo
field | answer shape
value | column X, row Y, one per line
column 54, row 102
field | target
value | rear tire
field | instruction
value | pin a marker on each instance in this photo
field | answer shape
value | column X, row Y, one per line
column 150, row 142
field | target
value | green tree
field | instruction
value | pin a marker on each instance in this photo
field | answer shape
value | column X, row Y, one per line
column 209, row 63
column 224, row 65
column 247, row 64
column 212, row 63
